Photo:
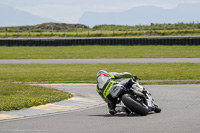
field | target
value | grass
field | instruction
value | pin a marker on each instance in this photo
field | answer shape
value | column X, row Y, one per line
column 177, row 29
column 74, row 27
column 16, row 96
column 77, row 73
column 98, row 33
column 79, row 52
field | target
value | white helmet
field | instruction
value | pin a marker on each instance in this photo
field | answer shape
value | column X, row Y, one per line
column 101, row 72
column 102, row 78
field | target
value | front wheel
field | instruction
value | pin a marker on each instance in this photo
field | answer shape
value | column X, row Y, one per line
column 133, row 105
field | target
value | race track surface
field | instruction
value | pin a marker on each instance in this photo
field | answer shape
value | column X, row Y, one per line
column 180, row 114
column 89, row 61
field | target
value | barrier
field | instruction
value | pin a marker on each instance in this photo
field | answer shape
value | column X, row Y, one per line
column 102, row 41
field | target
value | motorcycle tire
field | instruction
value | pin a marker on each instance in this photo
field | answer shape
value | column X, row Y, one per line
column 134, row 106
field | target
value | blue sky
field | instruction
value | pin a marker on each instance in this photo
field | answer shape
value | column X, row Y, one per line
column 69, row 11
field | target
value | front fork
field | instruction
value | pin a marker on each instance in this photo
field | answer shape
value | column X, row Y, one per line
column 148, row 100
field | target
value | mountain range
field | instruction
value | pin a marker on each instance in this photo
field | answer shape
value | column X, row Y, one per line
column 10, row 16
column 144, row 15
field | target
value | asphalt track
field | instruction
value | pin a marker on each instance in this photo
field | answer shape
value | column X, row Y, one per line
column 180, row 114
column 88, row 61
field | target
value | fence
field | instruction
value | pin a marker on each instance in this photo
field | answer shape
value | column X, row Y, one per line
column 102, row 41
column 102, row 30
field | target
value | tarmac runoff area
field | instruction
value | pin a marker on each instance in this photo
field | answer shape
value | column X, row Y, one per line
column 89, row 61
column 180, row 114
column 79, row 101
column 179, row 103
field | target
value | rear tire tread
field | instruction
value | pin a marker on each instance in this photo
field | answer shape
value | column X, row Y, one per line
column 133, row 105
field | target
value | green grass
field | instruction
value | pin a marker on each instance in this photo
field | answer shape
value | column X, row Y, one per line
column 77, row 73
column 98, row 33
column 177, row 29
column 79, row 52
column 16, row 96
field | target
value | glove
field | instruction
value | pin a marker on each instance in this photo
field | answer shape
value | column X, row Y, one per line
column 135, row 77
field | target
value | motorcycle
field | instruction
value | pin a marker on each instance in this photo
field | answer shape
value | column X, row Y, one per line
column 137, row 99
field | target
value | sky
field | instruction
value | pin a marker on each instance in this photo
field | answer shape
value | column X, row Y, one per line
column 69, row 11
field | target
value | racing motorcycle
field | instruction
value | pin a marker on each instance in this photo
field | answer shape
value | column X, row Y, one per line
column 137, row 99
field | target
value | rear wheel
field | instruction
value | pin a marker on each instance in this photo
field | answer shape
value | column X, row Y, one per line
column 133, row 105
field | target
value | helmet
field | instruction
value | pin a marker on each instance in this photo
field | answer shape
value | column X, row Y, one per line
column 102, row 78
column 101, row 72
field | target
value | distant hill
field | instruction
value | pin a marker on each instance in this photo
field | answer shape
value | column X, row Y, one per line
column 58, row 26
column 48, row 26
column 144, row 15
column 10, row 16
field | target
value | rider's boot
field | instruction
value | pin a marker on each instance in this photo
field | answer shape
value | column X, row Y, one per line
column 122, row 109
column 112, row 111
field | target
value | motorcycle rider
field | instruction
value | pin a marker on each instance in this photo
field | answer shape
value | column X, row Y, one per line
column 105, row 80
